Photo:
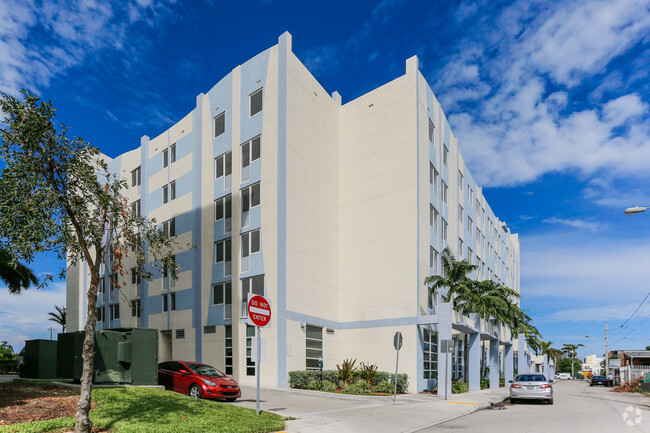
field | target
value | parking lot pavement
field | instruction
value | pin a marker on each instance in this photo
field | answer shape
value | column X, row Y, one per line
column 329, row 412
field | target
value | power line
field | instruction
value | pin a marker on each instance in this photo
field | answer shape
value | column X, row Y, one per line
column 637, row 309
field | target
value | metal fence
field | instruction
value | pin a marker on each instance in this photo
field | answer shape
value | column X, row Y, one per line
column 629, row 373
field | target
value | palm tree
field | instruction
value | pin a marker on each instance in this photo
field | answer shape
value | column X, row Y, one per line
column 571, row 350
column 17, row 276
column 454, row 277
column 58, row 317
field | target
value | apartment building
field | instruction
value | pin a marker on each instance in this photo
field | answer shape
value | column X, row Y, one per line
column 335, row 212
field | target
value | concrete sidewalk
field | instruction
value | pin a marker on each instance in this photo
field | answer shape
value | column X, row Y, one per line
column 329, row 412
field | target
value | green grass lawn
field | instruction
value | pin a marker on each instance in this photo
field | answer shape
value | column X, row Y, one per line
column 135, row 410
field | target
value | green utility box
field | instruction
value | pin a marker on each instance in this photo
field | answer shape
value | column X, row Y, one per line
column 127, row 355
column 40, row 359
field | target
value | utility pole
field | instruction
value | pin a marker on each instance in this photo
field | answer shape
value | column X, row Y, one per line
column 50, row 329
column 606, row 353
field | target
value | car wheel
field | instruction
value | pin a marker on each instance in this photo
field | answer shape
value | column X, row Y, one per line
column 513, row 400
column 591, row 384
column 194, row 391
column 549, row 401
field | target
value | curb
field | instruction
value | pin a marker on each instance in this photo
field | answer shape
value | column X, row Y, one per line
column 451, row 418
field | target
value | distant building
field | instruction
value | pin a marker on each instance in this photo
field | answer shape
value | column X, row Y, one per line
column 633, row 358
column 592, row 364
column 336, row 212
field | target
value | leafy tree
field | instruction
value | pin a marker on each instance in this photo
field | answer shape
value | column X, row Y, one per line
column 568, row 365
column 16, row 275
column 56, row 194
column 572, row 350
column 58, row 316
column 6, row 350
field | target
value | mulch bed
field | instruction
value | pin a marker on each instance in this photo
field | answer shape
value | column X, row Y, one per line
column 23, row 401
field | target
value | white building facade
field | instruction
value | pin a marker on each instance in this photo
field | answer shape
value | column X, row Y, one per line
column 335, row 212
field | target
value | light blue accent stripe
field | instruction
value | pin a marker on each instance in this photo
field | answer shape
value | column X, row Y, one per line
column 361, row 324
column 282, row 210
column 418, row 355
column 197, row 159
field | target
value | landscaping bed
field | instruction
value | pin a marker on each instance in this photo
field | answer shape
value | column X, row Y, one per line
column 51, row 408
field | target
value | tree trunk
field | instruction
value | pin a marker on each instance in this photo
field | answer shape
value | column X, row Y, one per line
column 83, row 423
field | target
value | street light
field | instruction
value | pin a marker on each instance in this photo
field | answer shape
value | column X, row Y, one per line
column 635, row 210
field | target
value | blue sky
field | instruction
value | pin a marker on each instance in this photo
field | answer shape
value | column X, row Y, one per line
column 548, row 99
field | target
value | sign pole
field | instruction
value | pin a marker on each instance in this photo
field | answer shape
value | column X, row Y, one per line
column 257, row 367
column 447, row 361
column 397, row 343
column 396, row 364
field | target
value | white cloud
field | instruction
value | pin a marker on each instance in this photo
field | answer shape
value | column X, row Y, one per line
column 74, row 31
column 575, row 223
column 24, row 317
column 585, row 314
column 529, row 120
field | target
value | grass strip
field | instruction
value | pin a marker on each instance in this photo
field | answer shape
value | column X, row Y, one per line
column 140, row 410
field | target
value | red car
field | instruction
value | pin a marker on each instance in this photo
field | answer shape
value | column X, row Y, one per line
column 197, row 380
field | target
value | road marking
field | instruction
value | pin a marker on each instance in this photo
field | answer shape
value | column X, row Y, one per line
column 458, row 402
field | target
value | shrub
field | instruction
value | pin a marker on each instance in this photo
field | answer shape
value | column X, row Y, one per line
column 328, row 386
column 384, row 376
column 358, row 387
column 485, row 383
column 330, row 376
column 502, row 381
column 300, row 379
column 459, row 387
column 367, row 372
column 384, row 386
column 346, row 371
column 314, row 385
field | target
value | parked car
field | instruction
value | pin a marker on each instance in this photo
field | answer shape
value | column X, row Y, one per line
column 599, row 380
column 197, row 380
column 563, row 376
column 531, row 386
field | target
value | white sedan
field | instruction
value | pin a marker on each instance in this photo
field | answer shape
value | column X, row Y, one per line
column 531, row 386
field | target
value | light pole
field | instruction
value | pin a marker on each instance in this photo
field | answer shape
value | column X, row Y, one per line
column 636, row 209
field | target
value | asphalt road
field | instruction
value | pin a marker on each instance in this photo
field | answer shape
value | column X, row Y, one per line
column 578, row 408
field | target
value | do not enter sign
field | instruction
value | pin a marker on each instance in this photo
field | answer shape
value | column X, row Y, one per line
column 259, row 310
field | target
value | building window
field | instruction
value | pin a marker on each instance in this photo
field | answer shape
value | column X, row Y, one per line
column 223, row 208
column 135, row 208
column 444, row 230
column 444, row 192
column 460, row 215
column 314, row 336
column 433, row 260
column 100, row 314
column 445, row 154
column 250, row 197
column 431, row 129
column 165, row 158
column 114, row 311
column 222, row 293
column 219, row 124
column 222, row 251
column 470, row 255
column 223, row 165
column 460, row 249
column 228, row 344
column 250, row 243
column 135, row 276
column 255, row 102
column 101, row 284
column 180, row 334
column 169, row 227
column 434, row 220
column 172, row 152
column 172, row 190
column 165, row 302
column 135, row 308
column 430, row 354
column 254, row 285
column 458, row 357
column 165, row 193
column 250, row 364
column 460, row 184
column 135, row 177
column 172, row 301
column 470, row 225
column 250, row 151
column 210, row 329
column 433, row 177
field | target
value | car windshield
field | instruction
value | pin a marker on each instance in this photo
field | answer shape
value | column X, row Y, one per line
column 598, row 377
column 531, row 378
column 205, row 370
